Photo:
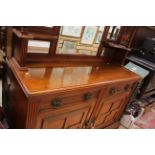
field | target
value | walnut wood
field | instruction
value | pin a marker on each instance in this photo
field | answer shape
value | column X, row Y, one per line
column 23, row 34
column 33, row 35
column 114, row 45
column 108, row 111
column 33, row 91
column 66, row 91
column 20, row 43
column 99, row 75
column 53, row 30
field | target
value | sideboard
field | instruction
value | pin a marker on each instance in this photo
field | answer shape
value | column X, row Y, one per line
column 67, row 97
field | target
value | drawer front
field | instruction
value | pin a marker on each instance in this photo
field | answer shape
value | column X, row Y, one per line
column 67, row 100
column 118, row 88
column 67, row 111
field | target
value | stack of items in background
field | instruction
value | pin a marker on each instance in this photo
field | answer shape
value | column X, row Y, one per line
column 139, row 116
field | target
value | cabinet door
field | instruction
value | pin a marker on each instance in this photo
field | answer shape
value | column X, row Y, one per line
column 67, row 110
column 109, row 112
column 69, row 120
column 73, row 117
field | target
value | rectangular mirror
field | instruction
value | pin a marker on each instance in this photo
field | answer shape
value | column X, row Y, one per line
column 37, row 46
column 79, row 40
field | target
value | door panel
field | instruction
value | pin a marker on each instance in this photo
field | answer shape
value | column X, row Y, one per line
column 109, row 112
column 66, row 118
column 69, row 120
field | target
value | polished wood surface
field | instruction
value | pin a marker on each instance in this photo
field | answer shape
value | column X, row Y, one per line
column 109, row 111
column 68, row 97
column 73, row 116
column 42, row 80
column 67, row 91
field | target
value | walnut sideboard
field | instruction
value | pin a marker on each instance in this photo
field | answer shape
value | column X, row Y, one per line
column 67, row 97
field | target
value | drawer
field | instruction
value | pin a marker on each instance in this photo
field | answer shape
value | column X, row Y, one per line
column 118, row 89
column 66, row 100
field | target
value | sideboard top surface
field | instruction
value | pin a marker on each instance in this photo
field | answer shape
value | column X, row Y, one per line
column 45, row 80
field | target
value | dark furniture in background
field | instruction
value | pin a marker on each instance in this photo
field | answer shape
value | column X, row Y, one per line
column 148, row 87
column 2, row 47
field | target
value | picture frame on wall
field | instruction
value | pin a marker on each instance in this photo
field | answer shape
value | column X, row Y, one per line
column 69, row 47
column 72, row 31
column 89, row 35
column 101, row 28
column 98, row 37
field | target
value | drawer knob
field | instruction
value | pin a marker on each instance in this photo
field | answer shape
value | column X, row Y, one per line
column 88, row 96
column 126, row 88
column 56, row 103
column 112, row 91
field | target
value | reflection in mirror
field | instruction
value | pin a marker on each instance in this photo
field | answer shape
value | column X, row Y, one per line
column 69, row 46
column 80, row 40
column 37, row 46
column 103, row 52
column 113, row 32
column 38, row 73
column 69, row 76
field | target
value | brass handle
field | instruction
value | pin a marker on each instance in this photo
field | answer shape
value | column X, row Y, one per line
column 127, row 87
column 88, row 96
column 112, row 91
column 56, row 103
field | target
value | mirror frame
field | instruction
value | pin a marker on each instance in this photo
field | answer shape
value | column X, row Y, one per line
column 52, row 57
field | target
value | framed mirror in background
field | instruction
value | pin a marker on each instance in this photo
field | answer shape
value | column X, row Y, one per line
column 38, row 46
column 79, row 40
column 46, row 45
